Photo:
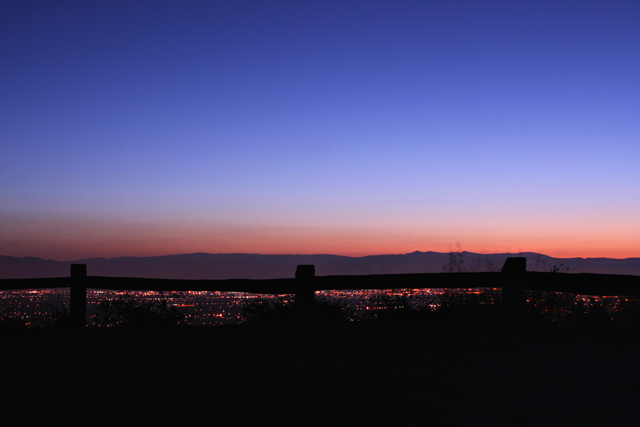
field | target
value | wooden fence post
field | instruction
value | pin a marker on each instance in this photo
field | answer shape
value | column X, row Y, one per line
column 305, row 292
column 78, row 296
column 513, row 292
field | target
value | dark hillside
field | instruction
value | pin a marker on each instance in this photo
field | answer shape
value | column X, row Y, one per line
column 371, row 374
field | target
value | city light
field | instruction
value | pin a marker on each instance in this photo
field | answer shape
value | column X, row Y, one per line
column 43, row 307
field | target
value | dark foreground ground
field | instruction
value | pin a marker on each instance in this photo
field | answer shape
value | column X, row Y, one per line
column 368, row 374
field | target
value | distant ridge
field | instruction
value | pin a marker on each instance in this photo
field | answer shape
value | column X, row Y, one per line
column 255, row 266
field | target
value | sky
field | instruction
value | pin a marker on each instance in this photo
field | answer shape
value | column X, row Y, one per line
column 297, row 127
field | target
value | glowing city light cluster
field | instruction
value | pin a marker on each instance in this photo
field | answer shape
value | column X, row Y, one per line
column 43, row 307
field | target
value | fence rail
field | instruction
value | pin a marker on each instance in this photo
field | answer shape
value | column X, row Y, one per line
column 514, row 280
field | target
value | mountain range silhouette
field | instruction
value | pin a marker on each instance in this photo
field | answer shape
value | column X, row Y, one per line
column 255, row 266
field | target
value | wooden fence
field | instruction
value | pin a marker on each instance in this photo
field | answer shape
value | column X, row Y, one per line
column 514, row 280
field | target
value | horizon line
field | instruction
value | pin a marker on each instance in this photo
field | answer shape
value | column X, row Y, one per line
column 316, row 254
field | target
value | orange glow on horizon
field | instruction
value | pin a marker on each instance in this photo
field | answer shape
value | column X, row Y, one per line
column 68, row 239
column 158, row 246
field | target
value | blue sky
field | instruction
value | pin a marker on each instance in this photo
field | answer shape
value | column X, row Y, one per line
column 145, row 128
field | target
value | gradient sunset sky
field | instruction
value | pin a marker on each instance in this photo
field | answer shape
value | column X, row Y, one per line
column 142, row 128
